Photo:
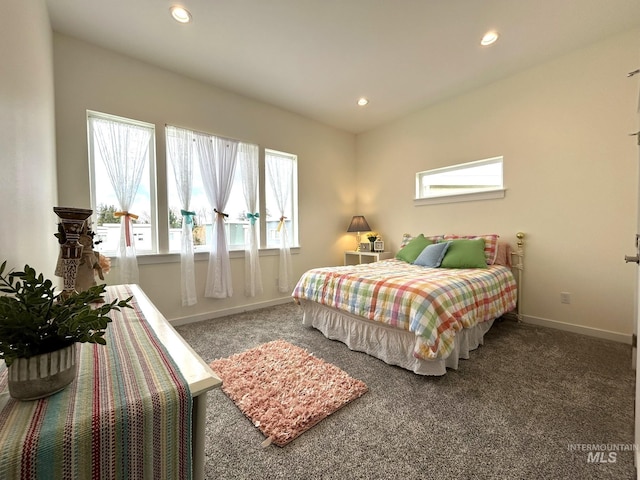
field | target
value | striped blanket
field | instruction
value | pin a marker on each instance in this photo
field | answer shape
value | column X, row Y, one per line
column 434, row 303
column 126, row 415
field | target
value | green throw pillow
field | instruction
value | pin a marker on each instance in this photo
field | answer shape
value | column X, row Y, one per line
column 411, row 250
column 463, row 253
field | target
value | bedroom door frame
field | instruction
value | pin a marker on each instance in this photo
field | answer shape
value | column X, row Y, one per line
column 636, row 364
column 636, row 327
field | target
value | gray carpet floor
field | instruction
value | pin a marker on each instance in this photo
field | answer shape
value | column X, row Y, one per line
column 513, row 411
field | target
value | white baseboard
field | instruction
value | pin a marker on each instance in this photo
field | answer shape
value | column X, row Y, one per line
column 543, row 322
column 570, row 327
column 228, row 311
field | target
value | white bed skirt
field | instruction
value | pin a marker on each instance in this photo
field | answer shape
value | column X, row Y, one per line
column 387, row 343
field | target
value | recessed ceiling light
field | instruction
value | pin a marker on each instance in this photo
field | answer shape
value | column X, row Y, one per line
column 180, row 14
column 489, row 38
column 362, row 101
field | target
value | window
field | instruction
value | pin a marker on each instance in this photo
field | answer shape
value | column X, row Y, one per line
column 279, row 166
column 281, row 194
column 466, row 181
column 120, row 148
column 237, row 222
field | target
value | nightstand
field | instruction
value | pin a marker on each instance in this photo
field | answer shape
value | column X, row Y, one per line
column 352, row 257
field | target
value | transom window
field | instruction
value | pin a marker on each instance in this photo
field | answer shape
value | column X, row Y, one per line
column 466, row 181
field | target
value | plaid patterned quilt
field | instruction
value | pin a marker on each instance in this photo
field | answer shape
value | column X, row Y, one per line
column 435, row 303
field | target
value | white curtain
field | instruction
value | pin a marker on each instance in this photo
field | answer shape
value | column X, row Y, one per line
column 180, row 146
column 124, row 148
column 218, row 158
column 280, row 172
column 248, row 163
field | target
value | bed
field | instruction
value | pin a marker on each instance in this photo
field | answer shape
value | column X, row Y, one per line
column 421, row 318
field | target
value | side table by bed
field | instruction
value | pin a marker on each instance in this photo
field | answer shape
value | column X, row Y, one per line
column 353, row 257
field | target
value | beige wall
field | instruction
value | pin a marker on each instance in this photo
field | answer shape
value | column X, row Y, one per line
column 27, row 138
column 88, row 77
column 570, row 170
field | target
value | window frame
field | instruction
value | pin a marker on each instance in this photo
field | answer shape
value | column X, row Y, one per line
column 469, row 194
column 152, row 177
column 294, row 239
column 206, row 247
column 159, row 196
column 262, row 202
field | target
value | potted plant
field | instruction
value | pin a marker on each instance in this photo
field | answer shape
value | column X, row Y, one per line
column 39, row 328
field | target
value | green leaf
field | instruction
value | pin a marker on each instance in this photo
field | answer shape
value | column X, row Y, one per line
column 35, row 319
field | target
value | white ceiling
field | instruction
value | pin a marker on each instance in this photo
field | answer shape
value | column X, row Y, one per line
column 317, row 57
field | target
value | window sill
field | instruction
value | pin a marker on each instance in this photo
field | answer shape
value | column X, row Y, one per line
column 158, row 258
column 461, row 197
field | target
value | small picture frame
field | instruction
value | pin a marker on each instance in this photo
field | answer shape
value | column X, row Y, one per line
column 378, row 246
column 365, row 246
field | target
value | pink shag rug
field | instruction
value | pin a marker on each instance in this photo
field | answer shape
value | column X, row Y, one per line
column 283, row 389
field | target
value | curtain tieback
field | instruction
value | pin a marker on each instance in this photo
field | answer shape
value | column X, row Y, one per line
column 188, row 216
column 221, row 214
column 127, row 224
column 281, row 223
column 253, row 217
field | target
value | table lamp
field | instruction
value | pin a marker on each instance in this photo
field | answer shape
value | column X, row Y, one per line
column 358, row 224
